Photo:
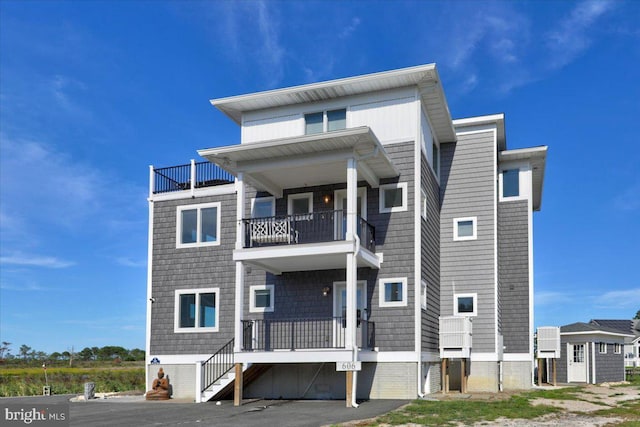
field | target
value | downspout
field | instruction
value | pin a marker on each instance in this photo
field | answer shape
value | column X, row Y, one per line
column 500, row 376
column 421, row 393
column 354, row 382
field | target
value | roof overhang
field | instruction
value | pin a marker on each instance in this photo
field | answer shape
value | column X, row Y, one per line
column 305, row 161
column 424, row 77
column 597, row 332
column 472, row 123
column 536, row 157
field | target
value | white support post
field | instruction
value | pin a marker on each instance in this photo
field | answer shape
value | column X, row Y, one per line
column 352, row 266
column 193, row 177
column 240, row 272
column 198, row 398
column 152, row 181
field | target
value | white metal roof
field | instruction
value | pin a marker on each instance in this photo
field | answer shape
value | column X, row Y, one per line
column 424, row 77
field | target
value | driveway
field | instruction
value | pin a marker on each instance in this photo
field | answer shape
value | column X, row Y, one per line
column 134, row 411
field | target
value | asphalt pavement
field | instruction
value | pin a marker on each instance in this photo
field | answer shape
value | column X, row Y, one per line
column 134, row 411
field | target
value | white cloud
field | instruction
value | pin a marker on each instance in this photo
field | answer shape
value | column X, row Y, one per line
column 571, row 37
column 622, row 299
column 35, row 261
column 349, row 29
column 128, row 262
column 551, row 298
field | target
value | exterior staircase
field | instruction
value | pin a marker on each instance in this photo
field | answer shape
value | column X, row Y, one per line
column 217, row 375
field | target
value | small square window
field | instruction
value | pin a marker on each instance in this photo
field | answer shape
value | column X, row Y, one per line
column 465, row 228
column 196, row 310
column 511, row 183
column 336, row 120
column 393, row 292
column 197, row 225
column 263, row 207
column 313, row 123
column 602, row 348
column 393, row 197
column 300, row 205
column 465, row 305
column 261, row 298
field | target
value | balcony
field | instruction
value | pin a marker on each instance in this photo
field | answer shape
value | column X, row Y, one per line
column 303, row 334
column 185, row 177
column 315, row 227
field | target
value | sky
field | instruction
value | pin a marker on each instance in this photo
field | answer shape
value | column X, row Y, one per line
column 93, row 92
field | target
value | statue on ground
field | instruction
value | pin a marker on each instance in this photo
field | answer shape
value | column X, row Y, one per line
column 159, row 388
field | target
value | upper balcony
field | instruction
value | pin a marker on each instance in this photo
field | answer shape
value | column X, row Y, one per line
column 187, row 177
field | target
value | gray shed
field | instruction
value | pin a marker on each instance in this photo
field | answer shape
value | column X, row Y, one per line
column 591, row 354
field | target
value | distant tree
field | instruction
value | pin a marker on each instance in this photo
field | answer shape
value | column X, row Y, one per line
column 4, row 349
column 55, row 356
column 24, row 351
column 110, row 352
column 41, row 355
column 637, row 316
column 136, row 354
column 66, row 355
column 86, row 354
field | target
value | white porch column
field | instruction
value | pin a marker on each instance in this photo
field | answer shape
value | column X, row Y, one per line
column 352, row 265
column 239, row 300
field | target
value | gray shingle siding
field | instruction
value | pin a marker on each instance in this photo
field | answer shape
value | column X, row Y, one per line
column 430, row 238
column 186, row 268
column 609, row 366
column 513, row 274
column 468, row 189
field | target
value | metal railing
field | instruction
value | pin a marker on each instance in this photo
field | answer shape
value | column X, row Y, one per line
column 177, row 178
column 217, row 365
column 301, row 334
column 315, row 227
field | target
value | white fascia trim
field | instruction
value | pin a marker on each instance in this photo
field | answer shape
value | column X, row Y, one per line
column 388, row 356
column 531, row 275
column 517, row 357
column 149, row 286
column 614, row 334
column 495, row 239
column 472, row 121
column 177, row 359
column 217, row 190
column 311, row 249
column 298, row 356
column 484, row 357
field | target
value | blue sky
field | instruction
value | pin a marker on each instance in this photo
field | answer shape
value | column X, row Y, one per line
column 91, row 93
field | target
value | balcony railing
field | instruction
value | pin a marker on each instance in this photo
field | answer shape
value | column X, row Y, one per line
column 315, row 227
column 177, row 178
column 303, row 334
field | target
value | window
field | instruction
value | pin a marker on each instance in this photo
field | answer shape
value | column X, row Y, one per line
column 300, row 205
column 261, row 298
column 262, row 207
column 196, row 310
column 617, row 348
column 197, row 225
column 423, row 295
column 393, row 197
column 465, row 305
column 325, row 121
column 511, row 183
column 465, row 228
column 423, row 204
column 602, row 347
column 393, row 292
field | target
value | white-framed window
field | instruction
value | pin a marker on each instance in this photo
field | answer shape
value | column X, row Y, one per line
column 198, row 225
column 196, row 310
column 423, row 203
column 465, row 304
column 602, row 347
column 262, row 207
column 393, row 197
column 423, row 295
column 465, row 228
column 393, row 292
column 325, row 121
column 510, row 183
column 300, row 205
column 261, row 299
column 617, row 348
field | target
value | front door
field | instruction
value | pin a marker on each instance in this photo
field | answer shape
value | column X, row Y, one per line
column 340, row 311
column 340, row 198
column 577, row 369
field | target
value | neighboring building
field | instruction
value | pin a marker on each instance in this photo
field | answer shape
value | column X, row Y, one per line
column 351, row 216
column 591, row 354
column 632, row 343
